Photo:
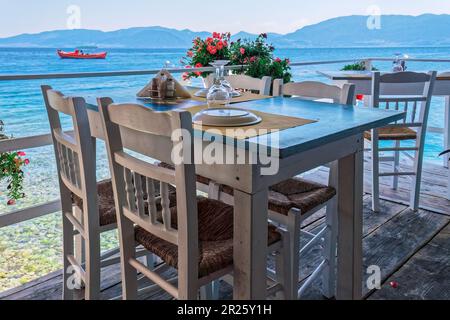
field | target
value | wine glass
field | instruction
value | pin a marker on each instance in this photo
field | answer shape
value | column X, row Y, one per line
column 219, row 95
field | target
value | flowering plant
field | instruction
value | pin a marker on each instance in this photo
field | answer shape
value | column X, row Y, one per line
column 11, row 164
column 258, row 55
column 203, row 52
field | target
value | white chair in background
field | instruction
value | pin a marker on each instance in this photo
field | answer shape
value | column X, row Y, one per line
column 94, row 211
column 389, row 92
column 262, row 86
column 191, row 234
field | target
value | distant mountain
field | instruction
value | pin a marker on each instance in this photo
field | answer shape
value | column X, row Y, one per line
column 350, row 31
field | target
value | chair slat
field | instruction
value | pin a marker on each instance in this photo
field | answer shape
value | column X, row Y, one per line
column 129, row 189
column 151, row 199
column 139, row 195
column 165, row 204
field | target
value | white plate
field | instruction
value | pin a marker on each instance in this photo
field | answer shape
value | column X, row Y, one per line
column 226, row 117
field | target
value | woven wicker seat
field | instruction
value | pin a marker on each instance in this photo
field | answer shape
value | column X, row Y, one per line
column 106, row 205
column 215, row 228
column 401, row 133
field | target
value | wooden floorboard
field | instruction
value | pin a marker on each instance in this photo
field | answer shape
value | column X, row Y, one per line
column 426, row 276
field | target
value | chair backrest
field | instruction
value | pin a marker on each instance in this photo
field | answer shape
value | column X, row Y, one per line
column 262, row 86
column 75, row 151
column 134, row 179
column 313, row 90
column 390, row 91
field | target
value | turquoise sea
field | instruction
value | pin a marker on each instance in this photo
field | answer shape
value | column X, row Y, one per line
column 33, row 248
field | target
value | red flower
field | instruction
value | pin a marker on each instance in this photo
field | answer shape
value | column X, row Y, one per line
column 26, row 161
column 209, row 40
column 11, row 202
column 21, row 154
column 242, row 50
column 225, row 43
column 360, row 97
column 190, row 54
column 198, row 65
column 185, row 76
column 188, row 67
column 252, row 59
column 219, row 45
column 277, row 60
column 212, row 50
column 217, row 35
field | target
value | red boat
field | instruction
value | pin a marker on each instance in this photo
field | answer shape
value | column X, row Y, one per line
column 77, row 54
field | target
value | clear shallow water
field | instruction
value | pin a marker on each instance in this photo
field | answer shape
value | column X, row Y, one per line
column 32, row 249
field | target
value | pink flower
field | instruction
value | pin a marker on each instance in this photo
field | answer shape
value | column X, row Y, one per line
column 277, row 60
column 11, row 202
column 190, row 54
column 21, row 154
column 252, row 59
column 188, row 67
column 26, row 161
column 242, row 50
column 185, row 76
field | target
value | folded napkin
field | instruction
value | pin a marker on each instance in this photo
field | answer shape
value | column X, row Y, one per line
column 180, row 91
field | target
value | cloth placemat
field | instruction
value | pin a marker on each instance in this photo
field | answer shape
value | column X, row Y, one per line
column 245, row 97
column 273, row 122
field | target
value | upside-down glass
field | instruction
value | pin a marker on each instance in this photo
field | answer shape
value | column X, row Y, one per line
column 219, row 95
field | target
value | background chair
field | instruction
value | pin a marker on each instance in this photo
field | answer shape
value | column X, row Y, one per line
column 94, row 211
column 261, row 86
column 388, row 91
column 193, row 235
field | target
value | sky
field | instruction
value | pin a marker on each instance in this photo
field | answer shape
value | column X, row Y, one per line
column 281, row 16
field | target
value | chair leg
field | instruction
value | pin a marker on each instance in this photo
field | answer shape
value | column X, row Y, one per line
column 330, row 250
column 293, row 230
column 415, row 187
column 70, row 283
column 375, row 172
column 127, row 252
column 396, row 165
column 283, row 267
column 93, row 266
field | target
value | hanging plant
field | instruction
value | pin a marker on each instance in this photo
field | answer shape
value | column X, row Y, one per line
column 11, row 171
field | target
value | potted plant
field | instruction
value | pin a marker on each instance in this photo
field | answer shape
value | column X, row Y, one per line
column 205, row 51
column 258, row 56
column 11, row 171
column 357, row 66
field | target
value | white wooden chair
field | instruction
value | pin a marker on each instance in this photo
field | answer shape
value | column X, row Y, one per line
column 190, row 234
column 313, row 90
column 94, row 211
column 388, row 91
column 262, row 86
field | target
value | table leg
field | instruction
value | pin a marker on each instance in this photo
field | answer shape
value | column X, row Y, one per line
column 350, row 208
column 250, row 245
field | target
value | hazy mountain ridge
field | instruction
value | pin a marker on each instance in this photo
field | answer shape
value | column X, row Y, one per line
column 350, row 31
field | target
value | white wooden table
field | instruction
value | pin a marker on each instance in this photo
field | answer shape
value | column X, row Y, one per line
column 337, row 135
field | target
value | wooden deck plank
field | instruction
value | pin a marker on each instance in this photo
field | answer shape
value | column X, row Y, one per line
column 426, row 276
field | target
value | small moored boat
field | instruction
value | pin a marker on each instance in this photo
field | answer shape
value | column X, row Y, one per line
column 77, row 54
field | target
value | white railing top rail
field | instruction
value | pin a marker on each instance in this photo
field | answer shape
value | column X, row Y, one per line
column 20, row 77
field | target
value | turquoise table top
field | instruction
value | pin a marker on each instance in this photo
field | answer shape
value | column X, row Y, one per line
column 333, row 121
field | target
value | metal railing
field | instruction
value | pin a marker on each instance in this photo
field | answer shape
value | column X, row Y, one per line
column 37, row 141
